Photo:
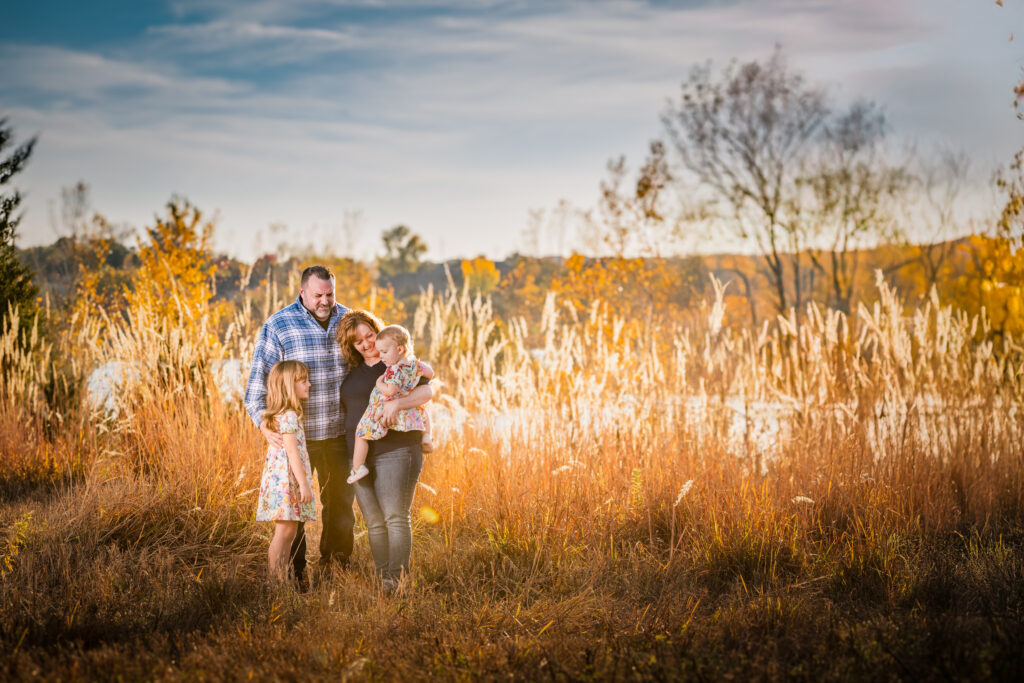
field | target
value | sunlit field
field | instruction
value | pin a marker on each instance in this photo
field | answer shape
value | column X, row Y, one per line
column 827, row 496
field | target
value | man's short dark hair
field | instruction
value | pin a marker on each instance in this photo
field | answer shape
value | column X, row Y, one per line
column 319, row 271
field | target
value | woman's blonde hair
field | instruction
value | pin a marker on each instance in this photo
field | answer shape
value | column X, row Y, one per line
column 347, row 332
column 399, row 335
column 281, row 390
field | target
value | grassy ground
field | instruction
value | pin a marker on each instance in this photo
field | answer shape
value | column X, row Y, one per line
column 882, row 539
column 133, row 570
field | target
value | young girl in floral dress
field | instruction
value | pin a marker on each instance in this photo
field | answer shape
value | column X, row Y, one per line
column 286, row 490
column 403, row 373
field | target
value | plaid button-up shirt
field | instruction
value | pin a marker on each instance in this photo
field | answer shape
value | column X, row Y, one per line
column 293, row 333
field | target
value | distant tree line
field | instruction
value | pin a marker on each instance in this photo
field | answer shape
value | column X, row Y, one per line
column 814, row 198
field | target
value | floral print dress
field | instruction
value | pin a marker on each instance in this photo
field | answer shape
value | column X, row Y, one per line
column 404, row 375
column 279, row 491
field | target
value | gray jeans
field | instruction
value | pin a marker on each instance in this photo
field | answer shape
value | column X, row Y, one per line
column 385, row 498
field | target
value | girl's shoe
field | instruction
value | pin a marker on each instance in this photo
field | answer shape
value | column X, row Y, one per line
column 358, row 474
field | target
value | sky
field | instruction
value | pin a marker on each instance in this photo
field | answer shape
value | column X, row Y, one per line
column 457, row 118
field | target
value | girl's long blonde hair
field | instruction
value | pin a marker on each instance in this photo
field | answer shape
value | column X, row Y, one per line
column 281, row 390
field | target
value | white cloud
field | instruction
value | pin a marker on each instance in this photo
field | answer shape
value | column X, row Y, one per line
column 250, row 43
column 453, row 121
column 89, row 76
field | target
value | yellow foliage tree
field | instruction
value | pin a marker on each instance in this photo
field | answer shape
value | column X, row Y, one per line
column 524, row 289
column 994, row 277
column 480, row 274
column 100, row 286
column 174, row 281
column 994, row 281
column 640, row 290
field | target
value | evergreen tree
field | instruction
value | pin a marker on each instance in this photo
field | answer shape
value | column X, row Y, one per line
column 16, row 288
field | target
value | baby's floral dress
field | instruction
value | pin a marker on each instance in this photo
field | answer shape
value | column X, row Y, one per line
column 405, row 375
column 280, row 499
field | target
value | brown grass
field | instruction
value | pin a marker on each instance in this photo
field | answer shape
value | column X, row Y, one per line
column 600, row 513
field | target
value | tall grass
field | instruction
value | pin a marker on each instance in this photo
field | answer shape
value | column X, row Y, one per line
column 823, row 496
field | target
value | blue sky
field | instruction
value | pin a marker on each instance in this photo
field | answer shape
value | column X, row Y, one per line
column 454, row 117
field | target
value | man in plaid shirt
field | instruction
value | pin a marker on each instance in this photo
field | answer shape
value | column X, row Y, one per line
column 306, row 331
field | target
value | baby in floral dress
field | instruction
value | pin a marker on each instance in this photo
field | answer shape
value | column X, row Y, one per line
column 286, row 489
column 403, row 374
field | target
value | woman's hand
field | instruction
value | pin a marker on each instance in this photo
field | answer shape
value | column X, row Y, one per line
column 414, row 398
column 390, row 411
column 275, row 440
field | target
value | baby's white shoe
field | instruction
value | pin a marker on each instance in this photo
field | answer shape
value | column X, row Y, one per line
column 358, row 474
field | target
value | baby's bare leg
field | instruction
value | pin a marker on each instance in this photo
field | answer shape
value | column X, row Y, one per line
column 427, row 442
column 362, row 447
column 359, row 452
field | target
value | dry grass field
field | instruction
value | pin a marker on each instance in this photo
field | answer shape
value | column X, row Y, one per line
column 823, row 498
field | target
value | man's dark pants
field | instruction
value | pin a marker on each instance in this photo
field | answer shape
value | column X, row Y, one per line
column 330, row 459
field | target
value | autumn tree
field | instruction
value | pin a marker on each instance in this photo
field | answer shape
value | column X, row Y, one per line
column 89, row 264
column 16, row 288
column 641, row 290
column 745, row 134
column 480, row 275
column 403, row 251
column 993, row 280
column 638, row 217
column 645, row 217
column 636, row 221
column 1011, row 183
column 105, row 271
column 174, row 280
column 847, row 198
column 941, row 182
column 525, row 286
column 994, row 283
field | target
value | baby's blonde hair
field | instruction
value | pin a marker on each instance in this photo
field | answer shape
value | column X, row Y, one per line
column 281, row 390
column 399, row 335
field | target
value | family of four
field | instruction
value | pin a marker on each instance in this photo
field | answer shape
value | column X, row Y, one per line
column 337, row 392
